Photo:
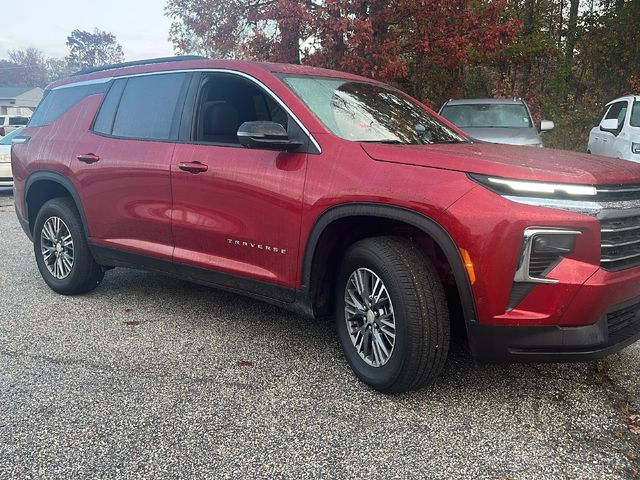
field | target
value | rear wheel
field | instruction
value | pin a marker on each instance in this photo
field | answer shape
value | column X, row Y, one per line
column 392, row 316
column 62, row 253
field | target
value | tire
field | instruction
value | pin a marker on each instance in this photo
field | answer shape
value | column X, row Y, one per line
column 69, row 268
column 418, row 307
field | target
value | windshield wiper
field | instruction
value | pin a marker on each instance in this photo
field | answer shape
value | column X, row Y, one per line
column 443, row 142
column 388, row 140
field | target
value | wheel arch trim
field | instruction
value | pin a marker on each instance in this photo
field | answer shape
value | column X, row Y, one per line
column 65, row 183
column 429, row 226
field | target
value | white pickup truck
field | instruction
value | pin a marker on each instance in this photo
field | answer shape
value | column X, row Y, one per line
column 618, row 134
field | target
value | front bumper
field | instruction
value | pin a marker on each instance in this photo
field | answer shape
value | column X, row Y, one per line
column 6, row 177
column 617, row 328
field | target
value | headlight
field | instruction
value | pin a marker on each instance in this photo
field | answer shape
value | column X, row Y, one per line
column 506, row 186
column 635, row 148
column 5, row 157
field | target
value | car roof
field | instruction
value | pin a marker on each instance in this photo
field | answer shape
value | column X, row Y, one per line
column 485, row 101
column 626, row 97
column 198, row 63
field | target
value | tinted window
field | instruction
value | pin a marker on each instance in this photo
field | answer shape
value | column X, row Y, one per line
column 59, row 101
column 225, row 102
column 369, row 112
column 18, row 120
column 107, row 113
column 148, row 106
column 1, row 120
column 488, row 115
column 635, row 114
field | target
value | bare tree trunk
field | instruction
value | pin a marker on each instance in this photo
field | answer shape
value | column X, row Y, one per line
column 289, row 41
column 572, row 28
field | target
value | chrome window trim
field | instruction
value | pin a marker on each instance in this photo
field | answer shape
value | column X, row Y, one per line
column 84, row 83
column 206, row 70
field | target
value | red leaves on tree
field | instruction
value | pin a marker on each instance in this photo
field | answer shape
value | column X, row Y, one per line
column 381, row 39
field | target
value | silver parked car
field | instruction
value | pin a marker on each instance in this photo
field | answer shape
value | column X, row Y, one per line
column 496, row 120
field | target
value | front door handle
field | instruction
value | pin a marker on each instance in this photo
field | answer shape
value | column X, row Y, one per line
column 88, row 157
column 193, row 167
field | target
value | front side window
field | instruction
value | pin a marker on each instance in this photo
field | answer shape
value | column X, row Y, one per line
column 488, row 115
column 618, row 111
column 635, row 114
column 142, row 107
column 369, row 112
column 227, row 101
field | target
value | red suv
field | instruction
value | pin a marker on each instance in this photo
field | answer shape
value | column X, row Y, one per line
column 335, row 196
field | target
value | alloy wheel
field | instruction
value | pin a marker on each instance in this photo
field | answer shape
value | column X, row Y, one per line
column 369, row 315
column 56, row 245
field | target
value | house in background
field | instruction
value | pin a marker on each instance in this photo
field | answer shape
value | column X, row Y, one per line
column 19, row 100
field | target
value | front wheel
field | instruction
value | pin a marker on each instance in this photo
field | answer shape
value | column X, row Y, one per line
column 62, row 253
column 392, row 316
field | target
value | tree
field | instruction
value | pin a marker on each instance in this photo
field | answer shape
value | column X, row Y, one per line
column 88, row 49
column 29, row 67
column 262, row 29
column 400, row 41
column 57, row 68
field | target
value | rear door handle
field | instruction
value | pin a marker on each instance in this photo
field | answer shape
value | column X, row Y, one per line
column 88, row 157
column 193, row 167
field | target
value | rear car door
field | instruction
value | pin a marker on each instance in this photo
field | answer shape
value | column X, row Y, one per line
column 236, row 211
column 122, row 166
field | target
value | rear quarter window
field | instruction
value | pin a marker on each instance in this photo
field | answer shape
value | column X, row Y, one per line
column 60, row 100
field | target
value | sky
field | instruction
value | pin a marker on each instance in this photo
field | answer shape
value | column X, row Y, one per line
column 139, row 25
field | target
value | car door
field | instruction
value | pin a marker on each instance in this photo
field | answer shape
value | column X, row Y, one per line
column 236, row 211
column 123, row 165
column 609, row 145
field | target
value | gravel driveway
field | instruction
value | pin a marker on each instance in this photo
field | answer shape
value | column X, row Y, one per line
column 151, row 377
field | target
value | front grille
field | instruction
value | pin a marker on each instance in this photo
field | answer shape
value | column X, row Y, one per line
column 6, row 179
column 623, row 323
column 620, row 246
column 617, row 193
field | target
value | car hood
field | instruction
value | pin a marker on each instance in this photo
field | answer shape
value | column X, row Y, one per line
column 510, row 136
column 528, row 163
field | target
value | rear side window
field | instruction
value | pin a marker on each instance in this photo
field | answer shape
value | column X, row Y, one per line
column 635, row 114
column 58, row 101
column 142, row 107
column 1, row 120
column 18, row 120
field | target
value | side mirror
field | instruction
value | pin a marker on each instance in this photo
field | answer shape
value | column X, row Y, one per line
column 546, row 125
column 609, row 125
column 270, row 135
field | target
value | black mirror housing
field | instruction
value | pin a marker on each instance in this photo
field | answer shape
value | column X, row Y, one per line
column 263, row 134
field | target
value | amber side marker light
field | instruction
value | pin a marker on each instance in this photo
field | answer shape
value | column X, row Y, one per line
column 468, row 264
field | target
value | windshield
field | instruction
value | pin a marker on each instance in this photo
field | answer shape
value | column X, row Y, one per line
column 635, row 114
column 6, row 140
column 367, row 112
column 488, row 115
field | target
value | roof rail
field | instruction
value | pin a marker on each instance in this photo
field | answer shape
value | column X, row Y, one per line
column 150, row 61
